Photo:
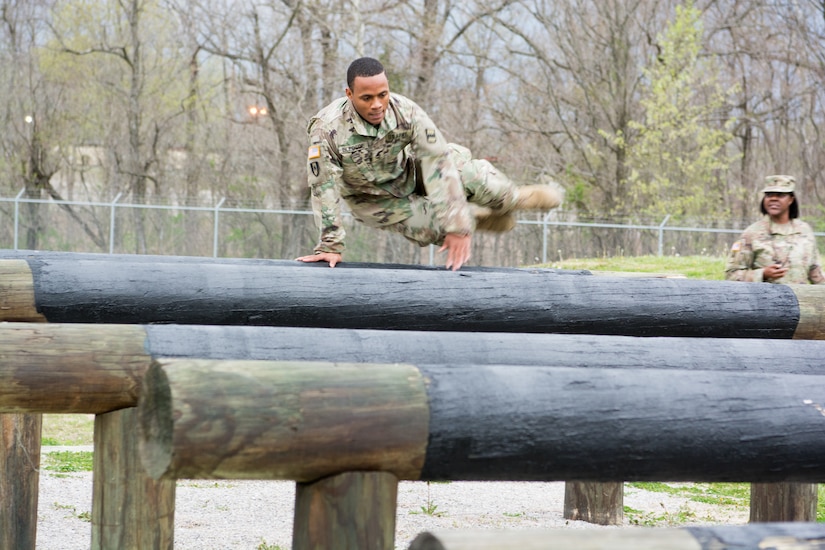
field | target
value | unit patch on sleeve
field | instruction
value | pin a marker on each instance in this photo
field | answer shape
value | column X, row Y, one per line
column 314, row 152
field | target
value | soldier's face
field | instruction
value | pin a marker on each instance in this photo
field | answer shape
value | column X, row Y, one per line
column 370, row 96
column 777, row 203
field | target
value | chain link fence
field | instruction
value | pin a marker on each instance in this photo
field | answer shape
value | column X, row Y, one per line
column 236, row 232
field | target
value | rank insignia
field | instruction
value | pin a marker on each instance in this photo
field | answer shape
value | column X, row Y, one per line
column 430, row 133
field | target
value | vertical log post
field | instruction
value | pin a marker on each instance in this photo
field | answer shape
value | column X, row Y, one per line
column 349, row 511
column 19, row 479
column 19, row 433
column 784, row 501
column 593, row 502
column 129, row 508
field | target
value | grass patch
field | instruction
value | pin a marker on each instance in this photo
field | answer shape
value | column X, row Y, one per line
column 692, row 267
column 68, row 429
column 68, row 461
column 723, row 494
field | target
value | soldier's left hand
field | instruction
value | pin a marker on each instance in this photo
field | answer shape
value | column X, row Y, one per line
column 458, row 250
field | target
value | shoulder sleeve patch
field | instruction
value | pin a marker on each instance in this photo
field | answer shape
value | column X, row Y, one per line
column 314, row 152
column 736, row 246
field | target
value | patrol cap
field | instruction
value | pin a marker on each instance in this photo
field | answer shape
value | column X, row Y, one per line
column 779, row 184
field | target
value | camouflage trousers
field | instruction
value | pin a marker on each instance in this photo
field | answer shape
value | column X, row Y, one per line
column 483, row 185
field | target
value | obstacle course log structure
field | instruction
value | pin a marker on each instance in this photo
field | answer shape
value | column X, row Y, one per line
column 94, row 369
column 794, row 536
column 262, row 419
column 128, row 291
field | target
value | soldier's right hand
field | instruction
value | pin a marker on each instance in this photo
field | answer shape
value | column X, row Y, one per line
column 330, row 257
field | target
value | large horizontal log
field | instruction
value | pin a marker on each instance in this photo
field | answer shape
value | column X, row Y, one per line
column 97, row 368
column 305, row 421
column 76, row 289
column 796, row 536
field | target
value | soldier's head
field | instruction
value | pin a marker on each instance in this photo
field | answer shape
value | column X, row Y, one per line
column 778, row 194
column 368, row 89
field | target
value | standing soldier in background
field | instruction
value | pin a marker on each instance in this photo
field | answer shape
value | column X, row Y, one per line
column 781, row 249
column 387, row 160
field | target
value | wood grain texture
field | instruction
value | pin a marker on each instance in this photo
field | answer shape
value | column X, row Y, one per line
column 281, row 420
column 812, row 311
column 65, row 368
column 129, row 508
column 17, row 301
column 599, row 503
column 19, row 479
column 772, row 502
column 349, row 511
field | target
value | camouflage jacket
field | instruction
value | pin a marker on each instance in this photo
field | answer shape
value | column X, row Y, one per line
column 371, row 168
column 764, row 243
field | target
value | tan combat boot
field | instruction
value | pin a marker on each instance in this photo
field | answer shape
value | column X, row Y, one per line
column 537, row 197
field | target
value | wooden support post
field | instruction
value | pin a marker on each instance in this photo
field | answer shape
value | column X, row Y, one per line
column 349, row 511
column 19, row 479
column 129, row 508
column 783, row 501
column 593, row 502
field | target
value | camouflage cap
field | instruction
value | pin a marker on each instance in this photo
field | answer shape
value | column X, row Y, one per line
column 779, row 184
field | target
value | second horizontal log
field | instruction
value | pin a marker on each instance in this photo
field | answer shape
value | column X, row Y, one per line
column 304, row 421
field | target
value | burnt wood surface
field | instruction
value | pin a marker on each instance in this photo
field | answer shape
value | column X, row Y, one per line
column 231, row 419
column 135, row 290
column 97, row 368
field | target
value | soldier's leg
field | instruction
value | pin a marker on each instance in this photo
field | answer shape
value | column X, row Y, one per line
column 497, row 194
column 422, row 227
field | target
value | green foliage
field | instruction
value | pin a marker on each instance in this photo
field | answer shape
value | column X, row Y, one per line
column 665, row 518
column 676, row 157
column 83, row 516
column 724, row 494
column 67, row 429
column 692, row 267
column 265, row 546
column 69, row 461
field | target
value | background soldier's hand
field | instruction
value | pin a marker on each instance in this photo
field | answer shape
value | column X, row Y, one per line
column 458, row 250
column 330, row 257
column 775, row 271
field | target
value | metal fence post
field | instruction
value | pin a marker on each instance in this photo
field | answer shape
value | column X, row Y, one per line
column 544, row 231
column 112, row 224
column 215, row 229
column 662, row 233
column 17, row 215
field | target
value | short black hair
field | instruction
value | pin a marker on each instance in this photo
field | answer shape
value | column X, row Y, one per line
column 363, row 66
column 793, row 210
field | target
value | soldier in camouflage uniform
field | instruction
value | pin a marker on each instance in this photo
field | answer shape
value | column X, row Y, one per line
column 779, row 248
column 381, row 154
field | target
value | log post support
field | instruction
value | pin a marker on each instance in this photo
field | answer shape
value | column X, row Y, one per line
column 129, row 508
column 348, row 511
column 783, row 501
column 19, row 479
column 593, row 502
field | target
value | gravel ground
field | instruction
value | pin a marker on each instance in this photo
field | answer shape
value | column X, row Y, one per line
column 257, row 515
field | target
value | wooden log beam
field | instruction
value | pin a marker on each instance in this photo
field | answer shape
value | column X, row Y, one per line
column 136, row 291
column 94, row 369
column 283, row 420
column 794, row 536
